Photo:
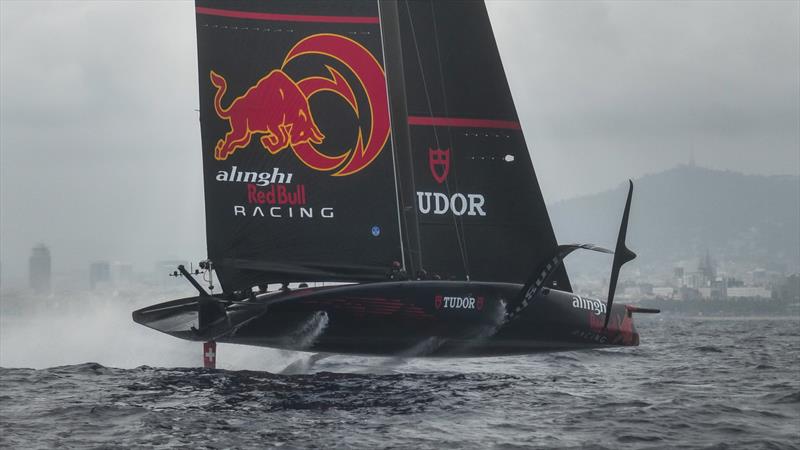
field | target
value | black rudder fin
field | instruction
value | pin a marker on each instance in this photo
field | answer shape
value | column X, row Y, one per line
column 622, row 254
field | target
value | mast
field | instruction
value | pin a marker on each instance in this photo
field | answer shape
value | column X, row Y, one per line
column 398, row 111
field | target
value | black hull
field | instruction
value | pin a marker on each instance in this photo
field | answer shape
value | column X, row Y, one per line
column 409, row 318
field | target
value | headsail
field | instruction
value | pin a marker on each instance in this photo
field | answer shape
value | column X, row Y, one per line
column 297, row 157
column 479, row 207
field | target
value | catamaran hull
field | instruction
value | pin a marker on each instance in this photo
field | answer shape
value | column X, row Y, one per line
column 410, row 318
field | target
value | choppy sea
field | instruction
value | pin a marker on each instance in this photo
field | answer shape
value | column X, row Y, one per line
column 693, row 383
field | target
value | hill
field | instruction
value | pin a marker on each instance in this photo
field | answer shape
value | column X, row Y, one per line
column 744, row 221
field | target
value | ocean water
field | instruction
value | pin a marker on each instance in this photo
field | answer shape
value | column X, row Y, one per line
column 693, row 383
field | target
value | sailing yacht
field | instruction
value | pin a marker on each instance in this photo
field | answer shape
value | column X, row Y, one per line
column 374, row 146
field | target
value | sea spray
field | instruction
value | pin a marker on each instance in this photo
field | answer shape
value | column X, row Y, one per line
column 498, row 319
column 423, row 348
column 304, row 364
column 483, row 332
column 80, row 326
column 304, row 336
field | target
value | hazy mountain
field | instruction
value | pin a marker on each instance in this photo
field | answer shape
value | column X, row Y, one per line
column 744, row 221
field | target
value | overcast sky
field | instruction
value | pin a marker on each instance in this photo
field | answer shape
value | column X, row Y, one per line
column 100, row 140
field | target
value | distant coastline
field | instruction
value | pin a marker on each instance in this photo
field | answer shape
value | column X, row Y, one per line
column 743, row 307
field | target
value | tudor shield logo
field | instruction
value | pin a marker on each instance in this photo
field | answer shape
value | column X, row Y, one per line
column 276, row 112
column 439, row 162
column 439, row 203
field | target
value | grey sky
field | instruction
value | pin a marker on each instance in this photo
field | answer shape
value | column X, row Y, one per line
column 99, row 138
column 618, row 89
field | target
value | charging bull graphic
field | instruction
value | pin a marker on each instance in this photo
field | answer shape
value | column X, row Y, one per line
column 276, row 109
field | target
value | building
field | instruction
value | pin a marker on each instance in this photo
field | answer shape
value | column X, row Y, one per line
column 664, row 292
column 99, row 272
column 790, row 288
column 122, row 273
column 677, row 277
column 749, row 292
column 707, row 269
column 39, row 269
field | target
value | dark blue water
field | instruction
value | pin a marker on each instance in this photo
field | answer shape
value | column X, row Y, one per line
column 694, row 383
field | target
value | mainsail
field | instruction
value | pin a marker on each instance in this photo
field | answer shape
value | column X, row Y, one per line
column 299, row 177
column 480, row 211
column 341, row 137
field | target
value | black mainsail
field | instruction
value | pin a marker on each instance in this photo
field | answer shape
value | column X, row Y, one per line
column 289, row 196
column 303, row 190
column 375, row 142
column 480, row 210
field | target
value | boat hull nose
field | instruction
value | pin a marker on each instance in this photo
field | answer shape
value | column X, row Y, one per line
column 176, row 317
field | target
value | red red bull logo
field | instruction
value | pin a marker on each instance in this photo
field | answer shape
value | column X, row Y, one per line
column 276, row 109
